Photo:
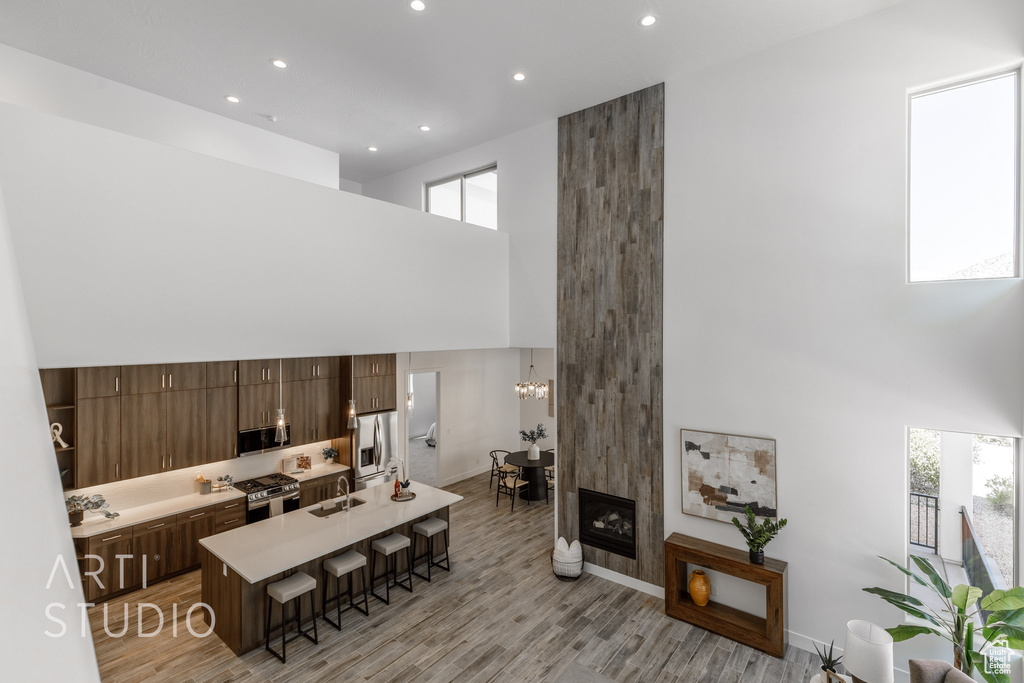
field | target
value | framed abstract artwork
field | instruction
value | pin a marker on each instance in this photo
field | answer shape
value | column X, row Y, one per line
column 723, row 473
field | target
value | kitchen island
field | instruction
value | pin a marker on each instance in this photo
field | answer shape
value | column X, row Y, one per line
column 239, row 564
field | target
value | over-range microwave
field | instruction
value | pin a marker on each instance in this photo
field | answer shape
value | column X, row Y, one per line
column 260, row 440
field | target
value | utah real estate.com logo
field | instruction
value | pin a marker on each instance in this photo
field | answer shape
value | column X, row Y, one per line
column 997, row 657
column 60, row 564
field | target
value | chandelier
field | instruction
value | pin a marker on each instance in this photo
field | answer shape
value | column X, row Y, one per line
column 531, row 388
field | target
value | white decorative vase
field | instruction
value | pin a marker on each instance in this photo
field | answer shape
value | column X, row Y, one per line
column 534, row 452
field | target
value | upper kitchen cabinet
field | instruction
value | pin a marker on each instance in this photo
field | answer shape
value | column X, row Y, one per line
column 222, row 374
column 152, row 379
column 258, row 371
column 98, row 459
column 257, row 405
column 374, row 394
column 221, row 423
column 375, row 365
column 162, row 432
column 314, row 367
column 99, row 382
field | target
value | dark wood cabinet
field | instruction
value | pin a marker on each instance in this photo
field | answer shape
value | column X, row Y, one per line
column 59, row 394
column 257, row 405
column 186, row 376
column 314, row 367
column 374, row 394
column 151, row 379
column 155, row 551
column 316, row 490
column 99, row 382
column 329, row 418
column 143, row 434
column 230, row 515
column 373, row 365
column 333, row 366
column 221, row 423
column 186, row 429
column 114, row 574
column 222, row 374
column 98, row 458
column 191, row 527
column 300, row 409
column 258, row 371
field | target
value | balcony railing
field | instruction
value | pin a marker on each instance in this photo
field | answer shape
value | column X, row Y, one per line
column 924, row 521
column 977, row 564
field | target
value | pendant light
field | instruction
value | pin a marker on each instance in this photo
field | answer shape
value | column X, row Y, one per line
column 352, row 423
column 531, row 388
column 281, row 433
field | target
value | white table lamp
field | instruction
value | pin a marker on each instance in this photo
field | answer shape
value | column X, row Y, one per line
column 868, row 653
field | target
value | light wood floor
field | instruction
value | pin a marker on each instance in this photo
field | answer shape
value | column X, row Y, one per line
column 500, row 615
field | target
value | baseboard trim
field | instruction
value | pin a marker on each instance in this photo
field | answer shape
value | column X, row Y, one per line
column 466, row 475
column 622, row 579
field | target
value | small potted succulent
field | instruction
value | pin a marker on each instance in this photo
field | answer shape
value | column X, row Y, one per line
column 829, row 662
column 533, row 436
column 330, row 453
column 758, row 535
column 77, row 505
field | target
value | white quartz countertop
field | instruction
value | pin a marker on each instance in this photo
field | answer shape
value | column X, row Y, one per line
column 96, row 523
column 261, row 550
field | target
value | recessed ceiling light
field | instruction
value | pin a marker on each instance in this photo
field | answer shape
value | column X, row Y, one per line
column 424, row 128
column 417, row 5
column 648, row 20
column 519, row 77
column 232, row 99
column 280, row 64
column 372, row 149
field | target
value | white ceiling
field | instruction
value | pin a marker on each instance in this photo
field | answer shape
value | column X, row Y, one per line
column 369, row 72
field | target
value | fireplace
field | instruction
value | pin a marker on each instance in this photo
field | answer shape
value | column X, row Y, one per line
column 608, row 522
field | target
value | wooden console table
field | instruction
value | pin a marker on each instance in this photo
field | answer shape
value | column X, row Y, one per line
column 767, row 635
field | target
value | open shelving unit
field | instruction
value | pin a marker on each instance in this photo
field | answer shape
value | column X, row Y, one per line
column 59, row 391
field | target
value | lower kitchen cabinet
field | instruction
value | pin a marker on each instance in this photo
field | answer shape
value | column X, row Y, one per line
column 316, row 490
column 111, row 561
column 191, row 527
column 155, row 551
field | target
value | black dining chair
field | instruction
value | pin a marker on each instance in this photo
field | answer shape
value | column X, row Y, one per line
column 549, row 474
column 499, row 465
column 509, row 485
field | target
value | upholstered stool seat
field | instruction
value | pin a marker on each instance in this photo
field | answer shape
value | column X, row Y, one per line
column 339, row 566
column 388, row 547
column 427, row 529
column 282, row 592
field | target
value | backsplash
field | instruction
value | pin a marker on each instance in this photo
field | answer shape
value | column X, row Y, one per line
column 131, row 493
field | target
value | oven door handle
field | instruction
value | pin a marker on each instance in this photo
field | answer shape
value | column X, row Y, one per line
column 261, row 503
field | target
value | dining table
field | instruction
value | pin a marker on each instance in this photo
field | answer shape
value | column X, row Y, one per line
column 533, row 472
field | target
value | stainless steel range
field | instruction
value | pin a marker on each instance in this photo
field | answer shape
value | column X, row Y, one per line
column 261, row 491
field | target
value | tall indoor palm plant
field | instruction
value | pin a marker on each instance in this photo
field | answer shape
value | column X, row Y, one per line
column 955, row 621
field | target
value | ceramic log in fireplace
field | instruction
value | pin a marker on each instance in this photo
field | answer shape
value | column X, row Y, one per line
column 608, row 522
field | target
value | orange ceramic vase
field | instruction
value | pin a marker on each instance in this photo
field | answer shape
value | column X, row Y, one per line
column 700, row 588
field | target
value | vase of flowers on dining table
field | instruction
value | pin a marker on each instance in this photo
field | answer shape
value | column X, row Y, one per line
column 533, row 436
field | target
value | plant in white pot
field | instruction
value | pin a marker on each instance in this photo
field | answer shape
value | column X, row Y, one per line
column 533, row 436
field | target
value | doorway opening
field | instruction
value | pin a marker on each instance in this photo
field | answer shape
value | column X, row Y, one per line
column 423, row 390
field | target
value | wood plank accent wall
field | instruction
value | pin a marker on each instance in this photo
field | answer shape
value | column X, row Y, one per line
column 611, row 172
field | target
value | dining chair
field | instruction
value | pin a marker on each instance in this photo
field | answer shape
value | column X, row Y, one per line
column 549, row 473
column 509, row 485
column 499, row 465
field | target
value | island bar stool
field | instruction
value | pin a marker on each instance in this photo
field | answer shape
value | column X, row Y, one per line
column 284, row 591
column 345, row 564
column 427, row 529
column 388, row 546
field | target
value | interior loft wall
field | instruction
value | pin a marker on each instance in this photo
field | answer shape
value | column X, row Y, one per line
column 38, row 533
column 136, row 252
column 531, row 410
column 787, row 311
column 609, row 385
column 31, row 81
column 527, row 182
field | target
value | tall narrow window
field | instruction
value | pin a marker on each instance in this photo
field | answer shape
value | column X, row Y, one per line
column 963, row 166
column 471, row 197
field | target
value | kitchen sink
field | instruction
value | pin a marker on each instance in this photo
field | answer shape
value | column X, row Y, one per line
column 340, row 507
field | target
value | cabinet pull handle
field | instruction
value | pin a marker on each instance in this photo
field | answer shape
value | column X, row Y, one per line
column 156, row 526
column 103, row 540
column 117, row 470
column 170, row 461
column 233, row 505
column 163, row 381
column 198, row 514
column 231, row 521
column 163, row 462
column 170, row 381
column 117, row 384
column 235, row 378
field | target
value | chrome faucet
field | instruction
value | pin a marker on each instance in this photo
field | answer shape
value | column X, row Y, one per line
column 343, row 478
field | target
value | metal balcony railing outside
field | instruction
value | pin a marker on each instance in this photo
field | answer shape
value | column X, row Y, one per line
column 924, row 521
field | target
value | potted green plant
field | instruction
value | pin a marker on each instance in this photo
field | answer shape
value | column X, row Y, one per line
column 758, row 535
column 330, row 453
column 77, row 505
column 829, row 662
column 956, row 620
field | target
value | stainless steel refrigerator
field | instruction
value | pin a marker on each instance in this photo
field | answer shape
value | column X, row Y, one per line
column 374, row 442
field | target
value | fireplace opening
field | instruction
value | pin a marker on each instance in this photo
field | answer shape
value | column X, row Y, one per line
column 608, row 522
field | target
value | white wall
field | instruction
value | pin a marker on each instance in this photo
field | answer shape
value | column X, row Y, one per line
column 531, row 410
column 135, row 252
column 31, row 81
column 38, row 530
column 787, row 314
column 424, row 410
column 955, row 491
column 477, row 408
column 527, row 205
